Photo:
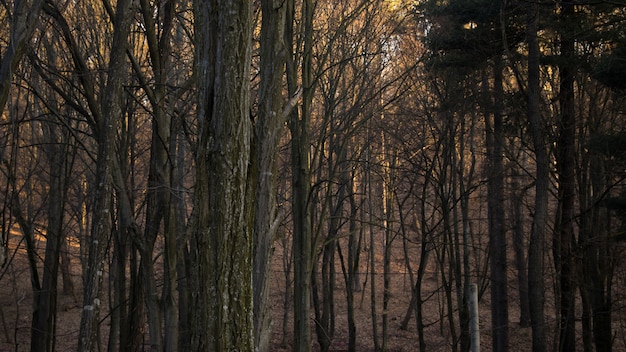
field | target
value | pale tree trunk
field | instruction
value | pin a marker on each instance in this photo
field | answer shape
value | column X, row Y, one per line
column 269, row 128
column 536, row 284
column 101, row 228
column 221, row 249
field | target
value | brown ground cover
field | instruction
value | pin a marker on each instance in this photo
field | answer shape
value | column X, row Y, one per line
column 16, row 304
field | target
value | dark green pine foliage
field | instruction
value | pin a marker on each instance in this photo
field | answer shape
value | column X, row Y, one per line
column 618, row 206
column 598, row 30
column 590, row 35
column 467, row 34
column 611, row 68
column 613, row 147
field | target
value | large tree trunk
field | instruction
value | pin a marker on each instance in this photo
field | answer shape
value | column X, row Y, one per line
column 221, row 282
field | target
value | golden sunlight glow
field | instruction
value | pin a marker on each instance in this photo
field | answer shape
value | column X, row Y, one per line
column 470, row 25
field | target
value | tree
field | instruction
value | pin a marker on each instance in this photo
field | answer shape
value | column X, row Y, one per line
column 159, row 208
column 566, row 162
column 595, row 175
column 299, row 123
column 60, row 154
column 536, row 252
column 497, row 232
column 268, row 130
column 163, row 136
column 108, row 118
column 25, row 16
column 221, row 243
column 345, row 56
column 473, row 38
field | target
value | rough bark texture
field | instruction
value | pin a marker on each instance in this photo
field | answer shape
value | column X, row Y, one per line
column 221, row 313
column 269, row 127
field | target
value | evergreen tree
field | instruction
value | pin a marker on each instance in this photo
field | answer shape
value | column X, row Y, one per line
column 470, row 39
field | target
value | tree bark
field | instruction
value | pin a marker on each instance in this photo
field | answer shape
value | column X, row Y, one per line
column 159, row 211
column 301, row 177
column 536, row 285
column 221, row 275
column 268, row 128
column 495, row 203
column 23, row 25
column 599, row 264
column 43, row 331
column 519, row 246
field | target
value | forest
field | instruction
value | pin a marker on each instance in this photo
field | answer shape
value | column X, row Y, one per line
column 313, row 175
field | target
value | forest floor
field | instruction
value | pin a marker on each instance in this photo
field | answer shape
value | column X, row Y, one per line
column 16, row 305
